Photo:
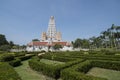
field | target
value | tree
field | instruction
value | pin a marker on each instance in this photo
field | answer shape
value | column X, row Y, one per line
column 77, row 43
column 35, row 40
column 5, row 48
column 3, row 40
column 11, row 43
column 57, row 46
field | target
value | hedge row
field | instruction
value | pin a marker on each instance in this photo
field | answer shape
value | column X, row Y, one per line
column 50, row 70
column 17, row 54
column 15, row 62
column 22, row 58
column 7, row 72
column 114, row 65
column 58, row 58
column 71, row 74
column 10, row 58
column 74, row 55
column 77, row 72
column 97, row 57
column 6, row 57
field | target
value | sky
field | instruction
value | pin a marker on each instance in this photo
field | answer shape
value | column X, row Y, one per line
column 24, row 20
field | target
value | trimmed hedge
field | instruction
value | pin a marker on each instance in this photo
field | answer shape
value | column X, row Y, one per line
column 71, row 74
column 77, row 72
column 50, row 70
column 75, row 55
column 22, row 58
column 17, row 54
column 6, row 57
column 7, row 72
column 15, row 62
column 114, row 65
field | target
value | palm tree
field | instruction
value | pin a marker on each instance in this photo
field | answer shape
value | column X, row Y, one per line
column 105, row 36
column 118, row 35
column 113, row 27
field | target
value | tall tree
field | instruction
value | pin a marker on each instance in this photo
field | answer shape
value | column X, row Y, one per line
column 3, row 40
column 57, row 46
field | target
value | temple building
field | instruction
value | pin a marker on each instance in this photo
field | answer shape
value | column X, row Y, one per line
column 49, row 39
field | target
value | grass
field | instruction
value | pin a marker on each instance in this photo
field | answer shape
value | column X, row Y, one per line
column 105, row 73
column 26, row 73
column 46, row 61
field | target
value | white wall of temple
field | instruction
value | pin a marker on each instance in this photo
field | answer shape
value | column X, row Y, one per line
column 45, row 48
column 37, row 48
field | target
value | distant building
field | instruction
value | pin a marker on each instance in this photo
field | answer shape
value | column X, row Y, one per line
column 49, row 39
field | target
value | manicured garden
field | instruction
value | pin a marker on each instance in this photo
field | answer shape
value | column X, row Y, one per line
column 76, row 64
column 26, row 73
column 105, row 73
column 95, row 65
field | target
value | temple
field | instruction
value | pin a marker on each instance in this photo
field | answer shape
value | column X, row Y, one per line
column 49, row 39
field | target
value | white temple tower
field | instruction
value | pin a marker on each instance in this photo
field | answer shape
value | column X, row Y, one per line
column 51, row 32
column 51, row 35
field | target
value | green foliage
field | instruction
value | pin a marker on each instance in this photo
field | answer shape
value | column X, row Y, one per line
column 77, row 43
column 35, row 40
column 57, row 46
column 81, row 43
column 5, row 47
column 114, row 65
column 6, row 57
column 48, row 69
column 7, row 72
column 108, row 52
column 17, row 54
column 11, row 43
column 70, row 74
column 77, row 72
column 75, row 68
column 22, row 58
column 15, row 62
column 3, row 40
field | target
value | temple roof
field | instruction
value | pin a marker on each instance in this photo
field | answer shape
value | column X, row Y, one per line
column 38, row 43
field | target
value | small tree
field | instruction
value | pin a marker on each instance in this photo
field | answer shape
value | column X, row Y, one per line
column 57, row 46
column 35, row 40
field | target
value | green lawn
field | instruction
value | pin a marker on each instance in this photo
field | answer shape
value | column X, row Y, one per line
column 28, row 74
column 105, row 73
column 46, row 61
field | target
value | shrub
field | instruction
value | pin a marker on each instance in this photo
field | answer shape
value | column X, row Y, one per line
column 108, row 52
column 15, row 62
column 17, row 54
column 114, row 65
column 6, row 57
column 22, row 58
column 71, row 74
column 77, row 72
column 7, row 72
column 5, row 48
column 50, row 70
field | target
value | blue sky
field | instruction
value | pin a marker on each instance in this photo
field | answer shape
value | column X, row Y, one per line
column 23, row 20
